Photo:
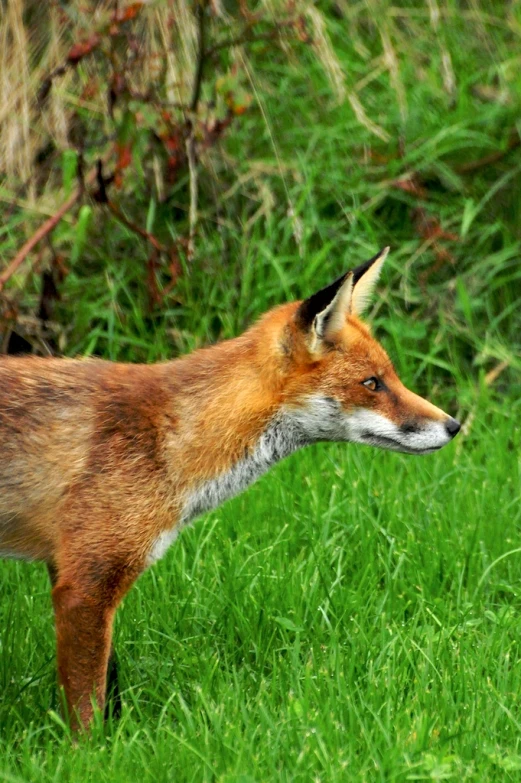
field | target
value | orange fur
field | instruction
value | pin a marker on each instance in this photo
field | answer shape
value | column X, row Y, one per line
column 97, row 458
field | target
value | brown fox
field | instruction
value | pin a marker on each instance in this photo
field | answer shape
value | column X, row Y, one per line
column 102, row 464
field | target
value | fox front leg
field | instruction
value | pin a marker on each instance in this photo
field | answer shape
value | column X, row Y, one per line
column 83, row 641
column 112, row 690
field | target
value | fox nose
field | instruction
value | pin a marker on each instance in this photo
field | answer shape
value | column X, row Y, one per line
column 453, row 427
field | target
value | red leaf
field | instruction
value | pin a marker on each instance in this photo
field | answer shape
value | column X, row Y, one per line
column 124, row 153
column 125, row 14
column 172, row 143
column 410, row 185
column 81, row 50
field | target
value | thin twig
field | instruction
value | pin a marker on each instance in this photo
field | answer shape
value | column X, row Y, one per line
column 135, row 228
column 43, row 231
column 201, row 54
column 192, row 216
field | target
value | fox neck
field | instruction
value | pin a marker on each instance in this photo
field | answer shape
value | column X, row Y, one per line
column 237, row 420
column 231, row 475
column 279, row 439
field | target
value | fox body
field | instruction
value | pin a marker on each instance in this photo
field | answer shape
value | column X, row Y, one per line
column 101, row 464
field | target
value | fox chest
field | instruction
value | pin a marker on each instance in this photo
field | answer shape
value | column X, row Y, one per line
column 317, row 419
column 278, row 441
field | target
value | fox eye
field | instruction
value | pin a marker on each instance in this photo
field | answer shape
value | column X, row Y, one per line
column 373, row 384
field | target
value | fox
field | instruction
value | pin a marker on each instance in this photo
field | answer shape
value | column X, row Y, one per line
column 102, row 464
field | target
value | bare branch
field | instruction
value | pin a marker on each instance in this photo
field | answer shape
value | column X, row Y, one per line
column 201, row 54
column 135, row 228
column 43, row 231
column 192, row 167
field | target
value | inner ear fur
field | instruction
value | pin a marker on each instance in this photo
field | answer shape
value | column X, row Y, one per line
column 324, row 312
column 365, row 278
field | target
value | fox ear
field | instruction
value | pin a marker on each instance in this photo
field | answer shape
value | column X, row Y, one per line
column 365, row 278
column 324, row 312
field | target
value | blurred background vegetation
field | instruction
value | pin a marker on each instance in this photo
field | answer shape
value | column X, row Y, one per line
column 186, row 164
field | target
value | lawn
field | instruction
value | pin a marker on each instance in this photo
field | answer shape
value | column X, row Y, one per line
column 354, row 616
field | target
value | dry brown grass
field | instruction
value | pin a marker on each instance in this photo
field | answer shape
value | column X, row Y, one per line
column 35, row 39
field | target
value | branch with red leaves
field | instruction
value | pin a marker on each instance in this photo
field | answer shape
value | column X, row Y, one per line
column 86, row 47
column 183, row 135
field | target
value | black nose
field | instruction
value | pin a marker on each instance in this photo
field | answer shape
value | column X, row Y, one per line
column 453, row 427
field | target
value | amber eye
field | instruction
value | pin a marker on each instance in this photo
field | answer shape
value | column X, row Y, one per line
column 373, row 384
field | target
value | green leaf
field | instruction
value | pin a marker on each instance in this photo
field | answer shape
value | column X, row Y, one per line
column 80, row 233
column 69, row 169
column 288, row 624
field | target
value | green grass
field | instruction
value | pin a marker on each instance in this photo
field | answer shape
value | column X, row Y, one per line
column 354, row 616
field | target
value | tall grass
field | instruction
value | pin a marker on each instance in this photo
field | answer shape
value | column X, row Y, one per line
column 382, row 139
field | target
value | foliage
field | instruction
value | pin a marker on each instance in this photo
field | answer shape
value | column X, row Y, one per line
column 151, row 90
column 404, row 132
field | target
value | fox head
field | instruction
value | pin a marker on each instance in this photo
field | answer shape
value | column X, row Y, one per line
column 341, row 384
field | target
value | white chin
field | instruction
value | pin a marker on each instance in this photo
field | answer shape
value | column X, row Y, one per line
column 390, row 445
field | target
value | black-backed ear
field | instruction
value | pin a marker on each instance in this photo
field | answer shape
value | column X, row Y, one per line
column 318, row 303
column 324, row 313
